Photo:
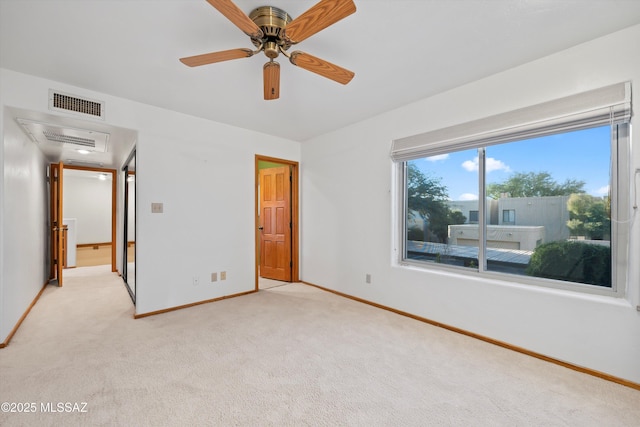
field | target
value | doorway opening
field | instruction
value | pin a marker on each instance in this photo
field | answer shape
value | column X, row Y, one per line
column 276, row 220
column 87, row 213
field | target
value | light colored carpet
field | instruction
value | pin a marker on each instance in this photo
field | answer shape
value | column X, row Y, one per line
column 290, row 355
column 269, row 283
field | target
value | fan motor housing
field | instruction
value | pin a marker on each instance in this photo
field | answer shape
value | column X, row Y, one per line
column 272, row 22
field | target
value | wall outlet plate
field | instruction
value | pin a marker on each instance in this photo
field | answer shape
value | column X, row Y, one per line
column 214, row 277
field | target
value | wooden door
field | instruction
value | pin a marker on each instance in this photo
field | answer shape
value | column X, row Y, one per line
column 275, row 223
column 57, row 231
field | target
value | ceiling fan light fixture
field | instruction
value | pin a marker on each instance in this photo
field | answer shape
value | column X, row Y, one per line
column 273, row 31
column 271, row 20
column 271, row 50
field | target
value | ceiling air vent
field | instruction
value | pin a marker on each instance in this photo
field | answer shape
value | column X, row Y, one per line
column 57, row 136
column 64, row 102
column 83, row 163
column 68, row 139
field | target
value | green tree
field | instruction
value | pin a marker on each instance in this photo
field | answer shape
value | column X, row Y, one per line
column 589, row 216
column 531, row 184
column 428, row 196
column 456, row 217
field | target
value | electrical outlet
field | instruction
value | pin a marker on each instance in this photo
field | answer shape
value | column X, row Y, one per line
column 196, row 281
column 157, row 208
column 368, row 278
column 223, row 275
column 214, row 277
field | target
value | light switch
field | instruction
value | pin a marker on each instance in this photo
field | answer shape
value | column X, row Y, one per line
column 156, row 207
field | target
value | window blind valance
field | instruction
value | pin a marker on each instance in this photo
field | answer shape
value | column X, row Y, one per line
column 606, row 105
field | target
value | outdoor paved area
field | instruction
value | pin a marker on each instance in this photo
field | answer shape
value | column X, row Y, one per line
column 511, row 256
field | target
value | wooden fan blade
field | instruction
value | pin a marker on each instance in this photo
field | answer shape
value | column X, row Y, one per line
column 271, row 74
column 210, row 58
column 316, row 19
column 321, row 67
column 240, row 19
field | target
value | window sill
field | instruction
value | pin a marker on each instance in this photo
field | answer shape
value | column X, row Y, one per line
column 537, row 285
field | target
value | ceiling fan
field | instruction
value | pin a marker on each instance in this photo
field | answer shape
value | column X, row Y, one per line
column 273, row 32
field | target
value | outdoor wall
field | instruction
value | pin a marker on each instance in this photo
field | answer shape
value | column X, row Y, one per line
column 466, row 206
column 23, row 222
column 516, row 237
column 349, row 220
column 550, row 212
column 203, row 173
column 88, row 199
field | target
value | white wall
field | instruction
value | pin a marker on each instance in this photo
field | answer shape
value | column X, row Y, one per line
column 202, row 171
column 23, row 224
column 348, row 220
column 88, row 199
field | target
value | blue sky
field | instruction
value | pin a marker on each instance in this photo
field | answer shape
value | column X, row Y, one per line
column 581, row 155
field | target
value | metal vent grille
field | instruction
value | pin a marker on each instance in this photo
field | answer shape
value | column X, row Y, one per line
column 83, row 163
column 69, row 103
column 68, row 139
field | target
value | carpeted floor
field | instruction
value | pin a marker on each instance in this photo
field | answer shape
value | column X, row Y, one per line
column 289, row 355
column 269, row 283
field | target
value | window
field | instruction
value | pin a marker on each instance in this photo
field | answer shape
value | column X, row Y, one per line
column 509, row 216
column 565, row 171
column 441, row 220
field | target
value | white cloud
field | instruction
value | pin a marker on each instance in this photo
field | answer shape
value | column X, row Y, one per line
column 603, row 191
column 438, row 158
column 468, row 196
column 495, row 165
column 471, row 165
column 491, row 165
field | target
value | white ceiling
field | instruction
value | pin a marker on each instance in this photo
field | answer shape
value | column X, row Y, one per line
column 119, row 142
column 400, row 50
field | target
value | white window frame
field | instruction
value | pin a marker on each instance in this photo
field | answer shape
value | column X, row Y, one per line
column 610, row 105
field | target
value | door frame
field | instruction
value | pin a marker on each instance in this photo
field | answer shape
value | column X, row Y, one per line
column 125, row 224
column 114, row 198
column 295, row 215
column 56, row 205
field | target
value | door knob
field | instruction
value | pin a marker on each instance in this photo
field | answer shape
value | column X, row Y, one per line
column 261, row 228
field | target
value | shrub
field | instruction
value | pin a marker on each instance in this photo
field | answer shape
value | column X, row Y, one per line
column 572, row 261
